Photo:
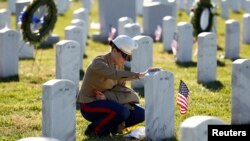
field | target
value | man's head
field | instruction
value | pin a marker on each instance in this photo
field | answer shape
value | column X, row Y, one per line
column 123, row 45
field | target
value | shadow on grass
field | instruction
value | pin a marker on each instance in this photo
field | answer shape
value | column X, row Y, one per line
column 213, row 86
column 10, row 79
column 219, row 48
column 220, row 63
column 186, row 64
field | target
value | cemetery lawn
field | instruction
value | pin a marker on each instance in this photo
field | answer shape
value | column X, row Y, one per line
column 20, row 101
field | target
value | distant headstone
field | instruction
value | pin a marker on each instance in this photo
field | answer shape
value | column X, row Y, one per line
column 142, row 58
column 195, row 128
column 12, row 6
column 185, row 42
column 62, row 6
column 132, row 29
column 207, row 57
column 5, row 16
column 235, row 5
column 68, row 61
column 247, row 6
column 181, row 4
column 82, row 24
column 232, row 42
column 75, row 33
column 20, row 5
column 240, row 105
column 246, row 28
column 139, row 7
column 9, row 40
column 169, row 28
column 59, row 109
column 159, row 106
column 122, row 22
column 38, row 139
column 225, row 9
column 87, row 4
column 153, row 14
column 189, row 4
column 82, row 14
column 109, row 13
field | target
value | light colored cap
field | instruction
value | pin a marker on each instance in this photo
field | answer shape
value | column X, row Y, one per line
column 125, row 43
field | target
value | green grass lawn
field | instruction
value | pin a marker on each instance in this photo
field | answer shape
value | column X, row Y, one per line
column 20, row 101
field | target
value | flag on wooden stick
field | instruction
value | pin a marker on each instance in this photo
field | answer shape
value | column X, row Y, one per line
column 183, row 96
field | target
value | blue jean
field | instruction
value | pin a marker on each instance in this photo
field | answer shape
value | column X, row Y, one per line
column 106, row 115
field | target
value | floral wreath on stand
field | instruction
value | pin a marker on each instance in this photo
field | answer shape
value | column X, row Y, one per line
column 38, row 20
column 202, row 19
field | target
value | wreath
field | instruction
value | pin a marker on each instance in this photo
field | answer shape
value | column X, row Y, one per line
column 202, row 5
column 46, row 21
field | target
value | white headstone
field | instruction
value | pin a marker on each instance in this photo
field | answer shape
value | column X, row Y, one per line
column 181, row 4
column 169, row 28
column 189, row 4
column 82, row 14
column 9, row 40
column 38, row 139
column 26, row 50
column 12, row 6
column 62, row 6
column 232, row 42
column 109, row 13
column 80, row 23
column 195, row 128
column 224, row 9
column 207, row 57
column 75, row 33
column 68, row 61
column 240, row 92
column 159, row 105
column 59, row 109
column 185, row 42
column 122, row 22
column 139, row 7
column 5, row 16
column 235, row 5
column 246, row 28
column 247, row 6
column 87, row 4
column 153, row 14
column 132, row 29
column 20, row 5
column 142, row 58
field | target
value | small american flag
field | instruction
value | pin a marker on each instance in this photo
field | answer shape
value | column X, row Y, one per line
column 158, row 32
column 183, row 97
column 112, row 32
column 174, row 44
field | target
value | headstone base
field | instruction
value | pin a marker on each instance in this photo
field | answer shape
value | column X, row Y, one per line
column 51, row 40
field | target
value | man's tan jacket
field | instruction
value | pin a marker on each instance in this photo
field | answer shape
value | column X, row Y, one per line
column 104, row 76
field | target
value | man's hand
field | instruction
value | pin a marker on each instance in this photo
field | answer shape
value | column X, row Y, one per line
column 99, row 95
column 152, row 69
